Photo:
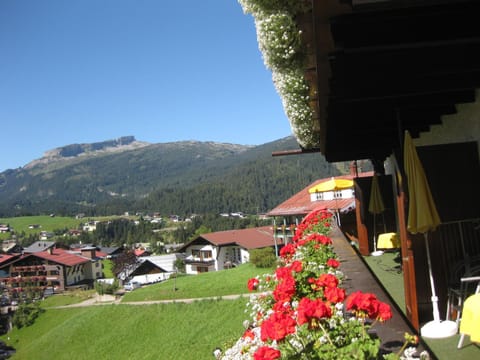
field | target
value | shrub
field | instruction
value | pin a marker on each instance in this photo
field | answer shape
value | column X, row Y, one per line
column 263, row 258
column 103, row 288
column 26, row 314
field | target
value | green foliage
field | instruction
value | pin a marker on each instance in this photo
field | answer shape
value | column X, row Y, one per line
column 26, row 314
column 179, row 264
column 263, row 258
column 103, row 288
column 123, row 231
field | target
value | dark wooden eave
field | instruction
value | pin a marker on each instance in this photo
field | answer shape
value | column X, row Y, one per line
column 391, row 66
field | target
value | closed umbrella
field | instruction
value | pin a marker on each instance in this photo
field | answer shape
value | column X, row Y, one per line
column 423, row 218
column 376, row 207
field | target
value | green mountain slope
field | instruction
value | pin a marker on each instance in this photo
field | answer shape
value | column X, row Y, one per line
column 180, row 177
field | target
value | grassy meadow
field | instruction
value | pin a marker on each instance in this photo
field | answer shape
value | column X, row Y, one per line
column 159, row 331
column 219, row 283
column 46, row 223
column 155, row 331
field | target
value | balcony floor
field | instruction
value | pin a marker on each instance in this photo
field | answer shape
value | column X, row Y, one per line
column 381, row 275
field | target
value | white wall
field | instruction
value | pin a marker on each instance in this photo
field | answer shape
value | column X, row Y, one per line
column 464, row 126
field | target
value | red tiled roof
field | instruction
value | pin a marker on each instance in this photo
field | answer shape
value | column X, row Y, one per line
column 101, row 254
column 251, row 238
column 62, row 257
column 6, row 257
column 300, row 203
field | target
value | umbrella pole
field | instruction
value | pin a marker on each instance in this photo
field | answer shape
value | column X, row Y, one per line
column 436, row 329
column 436, row 313
column 375, row 252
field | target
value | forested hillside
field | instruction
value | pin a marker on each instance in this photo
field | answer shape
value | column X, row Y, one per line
column 181, row 178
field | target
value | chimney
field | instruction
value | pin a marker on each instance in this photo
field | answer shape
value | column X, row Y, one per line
column 89, row 252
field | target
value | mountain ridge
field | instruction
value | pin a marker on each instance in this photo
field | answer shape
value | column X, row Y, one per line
column 178, row 177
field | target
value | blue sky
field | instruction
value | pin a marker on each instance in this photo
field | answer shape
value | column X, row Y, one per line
column 92, row 70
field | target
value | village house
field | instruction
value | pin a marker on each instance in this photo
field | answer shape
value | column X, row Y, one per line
column 321, row 194
column 151, row 269
column 52, row 268
column 11, row 246
column 225, row 249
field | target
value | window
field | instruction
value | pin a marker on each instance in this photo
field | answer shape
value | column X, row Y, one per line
column 318, row 196
column 206, row 254
column 338, row 194
column 202, row 254
column 202, row 269
column 237, row 255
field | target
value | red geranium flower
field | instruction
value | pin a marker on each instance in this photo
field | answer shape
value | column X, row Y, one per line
column 283, row 272
column 334, row 294
column 384, row 312
column 312, row 309
column 252, row 284
column 277, row 326
column 285, row 289
column 333, row 263
column 296, row 266
column 327, row 280
column 266, row 353
column 367, row 304
column 288, row 251
column 319, row 238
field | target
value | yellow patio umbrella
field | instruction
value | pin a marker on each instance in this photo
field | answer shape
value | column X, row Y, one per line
column 376, row 207
column 422, row 218
column 331, row 185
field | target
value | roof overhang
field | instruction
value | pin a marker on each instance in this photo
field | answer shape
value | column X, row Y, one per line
column 383, row 67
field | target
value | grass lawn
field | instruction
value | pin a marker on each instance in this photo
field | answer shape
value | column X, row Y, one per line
column 157, row 331
column 161, row 331
column 68, row 298
column 219, row 283
column 108, row 268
